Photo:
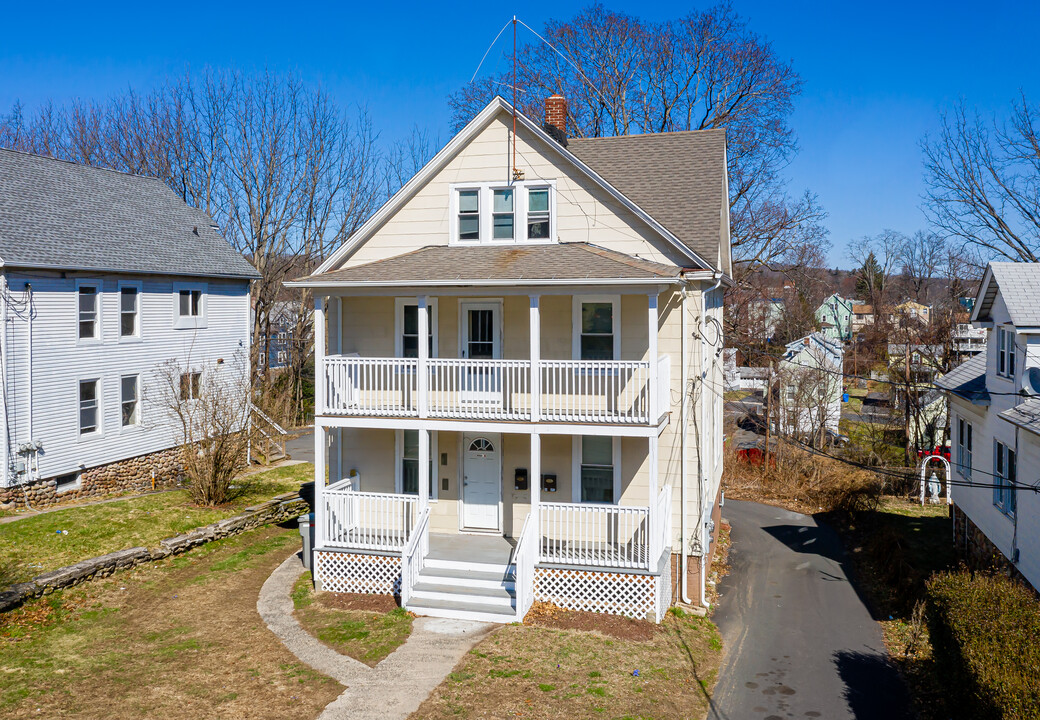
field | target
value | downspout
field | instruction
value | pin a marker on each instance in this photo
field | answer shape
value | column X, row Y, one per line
column 704, row 415
column 5, row 440
column 32, row 474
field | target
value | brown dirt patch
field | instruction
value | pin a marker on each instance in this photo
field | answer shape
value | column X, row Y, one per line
column 356, row 601
column 547, row 615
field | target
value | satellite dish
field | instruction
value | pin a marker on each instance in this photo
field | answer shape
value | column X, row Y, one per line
column 1031, row 382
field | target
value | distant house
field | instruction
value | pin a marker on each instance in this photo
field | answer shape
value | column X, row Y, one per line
column 911, row 314
column 106, row 278
column 835, row 318
column 764, row 316
column 808, row 387
column 995, row 423
column 862, row 316
column 284, row 324
column 967, row 340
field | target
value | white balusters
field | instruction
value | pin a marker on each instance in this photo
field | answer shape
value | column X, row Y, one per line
column 368, row 521
column 595, row 535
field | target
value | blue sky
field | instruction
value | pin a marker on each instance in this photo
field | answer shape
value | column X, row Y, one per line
column 876, row 75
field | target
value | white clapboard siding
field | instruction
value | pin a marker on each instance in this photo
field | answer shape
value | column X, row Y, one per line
column 60, row 360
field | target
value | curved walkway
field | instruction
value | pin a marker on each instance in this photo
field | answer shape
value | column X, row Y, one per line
column 799, row 640
column 393, row 689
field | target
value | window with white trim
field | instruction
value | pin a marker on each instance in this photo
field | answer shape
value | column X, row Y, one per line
column 89, row 406
column 408, row 463
column 515, row 213
column 538, row 213
column 87, row 297
column 129, row 400
column 1005, row 476
column 189, row 305
column 1006, row 352
column 964, row 441
column 191, row 385
column 596, row 473
column 129, row 310
column 469, row 214
column 502, row 215
column 407, row 328
column 597, row 326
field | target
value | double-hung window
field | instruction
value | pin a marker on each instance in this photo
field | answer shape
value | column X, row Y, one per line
column 502, row 215
column 518, row 212
column 964, row 433
column 408, row 329
column 596, row 469
column 88, row 297
column 538, row 213
column 409, row 440
column 189, row 303
column 1005, row 476
column 89, row 404
column 598, row 326
column 1006, row 352
column 191, row 385
column 469, row 214
column 129, row 400
column 129, row 301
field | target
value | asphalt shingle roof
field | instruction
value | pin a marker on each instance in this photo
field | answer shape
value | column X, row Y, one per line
column 968, row 380
column 527, row 263
column 676, row 177
column 1018, row 283
column 61, row 215
column 1026, row 415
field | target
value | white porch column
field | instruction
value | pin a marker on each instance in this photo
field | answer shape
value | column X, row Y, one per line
column 423, row 378
column 536, row 357
column 655, row 521
column 336, row 344
column 320, row 522
column 319, row 358
column 535, row 480
column 651, row 316
column 424, row 469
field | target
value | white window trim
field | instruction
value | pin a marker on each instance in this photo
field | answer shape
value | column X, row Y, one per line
column 576, row 470
column 190, row 322
column 435, row 462
column 1001, row 479
column 399, row 306
column 140, row 405
column 136, row 337
column 964, row 470
column 99, row 430
column 520, row 188
column 466, row 303
column 615, row 301
column 1007, row 346
column 99, row 326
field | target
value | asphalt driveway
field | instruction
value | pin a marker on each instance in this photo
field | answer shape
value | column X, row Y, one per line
column 799, row 641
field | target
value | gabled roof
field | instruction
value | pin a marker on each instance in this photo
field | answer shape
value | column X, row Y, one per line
column 1025, row 415
column 671, row 175
column 452, row 265
column 1017, row 284
column 834, row 347
column 968, row 380
column 64, row 216
column 477, row 124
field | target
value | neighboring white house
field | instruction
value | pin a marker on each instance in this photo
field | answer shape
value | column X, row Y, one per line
column 105, row 277
column 527, row 355
column 995, row 422
column 809, row 386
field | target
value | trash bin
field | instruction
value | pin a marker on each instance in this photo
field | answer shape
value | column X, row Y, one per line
column 307, row 533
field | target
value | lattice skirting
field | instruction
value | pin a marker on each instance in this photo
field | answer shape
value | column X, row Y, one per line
column 614, row 593
column 355, row 573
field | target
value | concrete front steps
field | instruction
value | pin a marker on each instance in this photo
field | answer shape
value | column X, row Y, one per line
column 462, row 590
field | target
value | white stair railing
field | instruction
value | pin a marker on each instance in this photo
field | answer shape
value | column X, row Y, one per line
column 413, row 556
column 595, row 535
column 524, row 558
column 366, row 521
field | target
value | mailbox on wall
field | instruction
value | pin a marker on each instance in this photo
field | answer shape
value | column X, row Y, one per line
column 549, row 483
column 520, row 481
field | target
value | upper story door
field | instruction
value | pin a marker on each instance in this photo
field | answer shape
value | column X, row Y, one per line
column 482, row 341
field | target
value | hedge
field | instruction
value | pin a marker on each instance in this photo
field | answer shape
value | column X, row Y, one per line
column 985, row 632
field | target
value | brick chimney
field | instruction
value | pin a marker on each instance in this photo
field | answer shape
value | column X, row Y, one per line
column 556, row 117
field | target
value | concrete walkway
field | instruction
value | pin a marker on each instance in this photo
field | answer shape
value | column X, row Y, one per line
column 799, row 640
column 393, row 689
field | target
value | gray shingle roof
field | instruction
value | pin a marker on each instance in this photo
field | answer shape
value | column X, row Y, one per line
column 1026, row 415
column 1019, row 285
column 57, row 214
column 444, row 264
column 676, row 177
column 968, row 380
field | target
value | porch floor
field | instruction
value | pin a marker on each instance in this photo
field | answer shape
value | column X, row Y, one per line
column 493, row 549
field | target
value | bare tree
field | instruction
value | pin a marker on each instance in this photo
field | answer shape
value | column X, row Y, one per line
column 921, row 257
column 984, row 181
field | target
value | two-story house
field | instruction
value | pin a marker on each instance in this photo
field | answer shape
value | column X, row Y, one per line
column 105, row 279
column 835, row 317
column 995, row 423
column 808, row 387
column 519, row 368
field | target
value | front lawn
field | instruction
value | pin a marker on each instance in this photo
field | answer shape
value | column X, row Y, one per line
column 549, row 671
column 180, row 638
column 364, row 633
column 39, row 543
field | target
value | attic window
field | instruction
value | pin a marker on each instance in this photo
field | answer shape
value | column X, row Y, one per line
column 515, row 213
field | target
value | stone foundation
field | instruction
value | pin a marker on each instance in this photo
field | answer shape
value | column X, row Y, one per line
column 977, row 550
column 131, row 475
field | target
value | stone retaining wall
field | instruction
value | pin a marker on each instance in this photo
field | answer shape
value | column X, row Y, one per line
column 131, row 475
column 978, row 551
column 278, row 509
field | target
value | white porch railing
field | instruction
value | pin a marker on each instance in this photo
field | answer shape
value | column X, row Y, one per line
column 371, row 386
column 480, row 389
column 366, row 521
column 608, row 391
column 598, row 535
column 413, row 556
column 661, row 530
column 524, row 558
column 664, row 385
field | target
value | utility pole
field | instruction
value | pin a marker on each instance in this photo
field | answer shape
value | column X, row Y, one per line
column 769, row 403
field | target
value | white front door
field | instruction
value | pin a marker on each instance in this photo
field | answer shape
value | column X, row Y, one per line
column 481, row 482
column 481, row 340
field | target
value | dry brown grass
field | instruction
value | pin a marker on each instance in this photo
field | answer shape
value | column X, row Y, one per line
column 543, row 673
column 801, row 481
column 177, row 639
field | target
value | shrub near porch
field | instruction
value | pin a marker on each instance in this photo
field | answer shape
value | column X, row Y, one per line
column 545, row 669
